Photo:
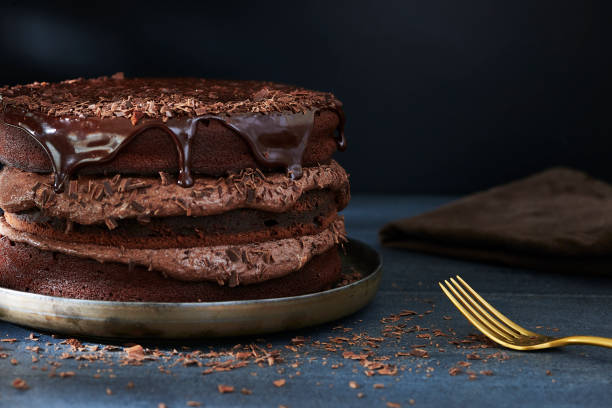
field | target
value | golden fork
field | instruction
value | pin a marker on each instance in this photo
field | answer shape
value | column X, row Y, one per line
column 502, row 330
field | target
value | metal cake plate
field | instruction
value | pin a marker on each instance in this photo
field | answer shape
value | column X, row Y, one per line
column 92, row 318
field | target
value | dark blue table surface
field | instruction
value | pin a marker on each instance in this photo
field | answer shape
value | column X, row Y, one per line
column 573, row 376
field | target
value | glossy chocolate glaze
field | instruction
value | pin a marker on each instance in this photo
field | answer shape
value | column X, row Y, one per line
column 276, row 139
column 85, row 121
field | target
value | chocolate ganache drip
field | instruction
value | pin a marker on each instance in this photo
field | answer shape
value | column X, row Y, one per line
column 275, row 138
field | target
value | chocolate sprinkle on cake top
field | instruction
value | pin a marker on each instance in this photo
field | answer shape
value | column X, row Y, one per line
column 162, row 98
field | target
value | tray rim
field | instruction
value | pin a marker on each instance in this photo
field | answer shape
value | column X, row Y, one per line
column 113, row 303
column 189, row 320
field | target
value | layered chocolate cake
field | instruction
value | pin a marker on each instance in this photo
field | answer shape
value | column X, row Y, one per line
column 173, row 190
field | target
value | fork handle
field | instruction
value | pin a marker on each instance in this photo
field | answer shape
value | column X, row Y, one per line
column 589, row 340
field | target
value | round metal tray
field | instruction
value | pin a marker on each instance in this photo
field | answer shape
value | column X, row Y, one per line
column 132, row 320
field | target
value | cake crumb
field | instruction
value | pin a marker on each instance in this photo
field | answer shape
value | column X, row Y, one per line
column 20, row 384
column 225, row 389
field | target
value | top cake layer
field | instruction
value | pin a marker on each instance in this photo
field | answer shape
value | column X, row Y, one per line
column 184, row 125
column 161, row 98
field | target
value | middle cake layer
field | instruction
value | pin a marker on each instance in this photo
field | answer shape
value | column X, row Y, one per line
column 105, row 200
column 313, row 212
column 225, row 264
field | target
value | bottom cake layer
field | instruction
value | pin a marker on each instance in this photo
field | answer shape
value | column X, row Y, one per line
column 28, row 269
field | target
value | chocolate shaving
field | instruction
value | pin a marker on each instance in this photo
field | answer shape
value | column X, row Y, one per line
column 98, row 192
column 138, row 207
column 44, row 197
column 111, row 223
column 143, row 219
column 73, row 189
column 136, row 116
column 20, row 384
column 123, row 185
column 233, row 254
column 181, row 203
column 108, row 189
column 165, row 178
column 224, row 389
column 36, row 187
column 136, row 185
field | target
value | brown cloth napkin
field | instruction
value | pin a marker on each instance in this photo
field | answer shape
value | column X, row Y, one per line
column 557, row 220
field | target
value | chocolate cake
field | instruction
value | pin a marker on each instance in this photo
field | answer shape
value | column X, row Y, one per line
column 174, row 190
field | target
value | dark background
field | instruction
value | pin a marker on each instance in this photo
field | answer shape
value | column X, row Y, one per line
column 441, row 96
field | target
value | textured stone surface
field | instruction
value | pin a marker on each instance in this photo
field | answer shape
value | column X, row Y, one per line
column 580, row 376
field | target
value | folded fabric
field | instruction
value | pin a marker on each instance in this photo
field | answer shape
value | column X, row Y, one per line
column 557, row 220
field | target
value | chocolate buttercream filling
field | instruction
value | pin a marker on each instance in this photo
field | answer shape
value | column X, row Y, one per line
column 225, row 264
column 105, row 200
column 313, row 212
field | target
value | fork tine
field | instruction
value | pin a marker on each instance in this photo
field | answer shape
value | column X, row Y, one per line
column 494, row 311
column 466, row 309
column 483, row 329
column 483, row 313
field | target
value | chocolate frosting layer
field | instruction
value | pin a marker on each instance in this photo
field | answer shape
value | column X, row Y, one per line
column 159, row 98
column 224, row 264
column 105, row 200
column 83, row 122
